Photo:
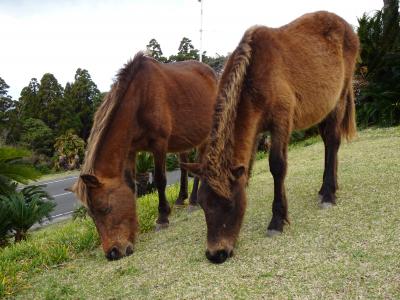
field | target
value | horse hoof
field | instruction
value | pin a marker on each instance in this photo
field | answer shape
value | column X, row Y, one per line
column 161, row 226
column 320, row 197
column 325, row 205
column 192, row 208
column 272, row 232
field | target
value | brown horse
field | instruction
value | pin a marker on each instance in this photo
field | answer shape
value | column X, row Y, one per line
column 276, row 80
column 151, row 107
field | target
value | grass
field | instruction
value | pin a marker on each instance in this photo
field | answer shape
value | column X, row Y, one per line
column 347, row 252
column 55, row 245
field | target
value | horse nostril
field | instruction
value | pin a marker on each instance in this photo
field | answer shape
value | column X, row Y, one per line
column 113, row 254
column 218, row 257
column 129, row 250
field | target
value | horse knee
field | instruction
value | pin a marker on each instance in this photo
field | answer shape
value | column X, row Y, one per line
column 277, row 166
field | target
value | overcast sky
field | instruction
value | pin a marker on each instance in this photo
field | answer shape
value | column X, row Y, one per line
column 60, row 36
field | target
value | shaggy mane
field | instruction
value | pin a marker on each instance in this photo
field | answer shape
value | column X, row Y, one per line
column 220, row 150
column 103, row 118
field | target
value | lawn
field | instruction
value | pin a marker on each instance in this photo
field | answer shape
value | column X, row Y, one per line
column 346, row 252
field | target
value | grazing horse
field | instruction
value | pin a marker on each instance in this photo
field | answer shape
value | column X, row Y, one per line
column 151, row 107
column 276, row 80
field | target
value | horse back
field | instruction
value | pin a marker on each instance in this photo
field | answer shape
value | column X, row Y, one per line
column 178, row 101
column 303, row 67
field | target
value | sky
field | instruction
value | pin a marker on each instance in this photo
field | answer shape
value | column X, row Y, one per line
column 38, row 37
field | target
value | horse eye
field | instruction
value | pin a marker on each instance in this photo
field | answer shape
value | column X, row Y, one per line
column 105, row 210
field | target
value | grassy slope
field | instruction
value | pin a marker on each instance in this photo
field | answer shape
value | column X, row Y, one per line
column 350, row 251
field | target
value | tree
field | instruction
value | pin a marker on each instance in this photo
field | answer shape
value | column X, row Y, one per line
column 14, row 170
column 216, row 63
column 154, row 50
column 6, row 107
column 379, row 69
column 37, row 136
column 186, row 51
column 50, row 99
column 28, row 104
column 83, row 96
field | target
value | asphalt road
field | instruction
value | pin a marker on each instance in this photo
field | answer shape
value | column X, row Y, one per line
column 67, row 202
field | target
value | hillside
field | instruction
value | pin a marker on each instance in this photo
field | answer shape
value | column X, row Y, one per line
column 349, row 251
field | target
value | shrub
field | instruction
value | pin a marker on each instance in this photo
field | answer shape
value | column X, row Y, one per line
column 5, row 224
column 13, row 169
column 378, row 101
column 26, row 208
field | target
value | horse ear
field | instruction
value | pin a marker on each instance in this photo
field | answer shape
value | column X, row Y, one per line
column 194, row 168
column 91, row 181
column 238, row 171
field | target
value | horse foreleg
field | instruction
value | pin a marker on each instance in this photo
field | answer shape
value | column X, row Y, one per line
column 183, row 190
column 330, row 134
column 193, row 203
column 278, row 167
column 161, row 181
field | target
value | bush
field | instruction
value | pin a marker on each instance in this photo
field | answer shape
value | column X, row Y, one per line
column 14, row 169
column 378, row 99
column 172, row 162
column 26, row 208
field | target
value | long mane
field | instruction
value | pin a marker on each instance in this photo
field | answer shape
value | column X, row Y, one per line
column 103, row 118
column 220, row 150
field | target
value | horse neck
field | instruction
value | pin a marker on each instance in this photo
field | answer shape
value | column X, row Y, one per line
column 112, row 156
column 237, row 151
column 245, row 133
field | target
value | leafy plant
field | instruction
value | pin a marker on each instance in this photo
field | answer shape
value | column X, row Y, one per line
column 378, row 100
column 5, row 224
column 13, row 169
column 79, row 213
column 26, row 208
column 172, row 162
column 144, row 162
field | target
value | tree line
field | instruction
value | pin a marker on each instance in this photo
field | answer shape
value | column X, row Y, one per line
column 49, row 119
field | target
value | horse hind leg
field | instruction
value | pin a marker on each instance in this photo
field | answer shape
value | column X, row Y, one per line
column 161, row 181
column 330, row 133
column 183, row 190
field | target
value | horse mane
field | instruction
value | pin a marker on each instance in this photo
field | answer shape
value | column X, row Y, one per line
column 219, row 155
column 103, row 118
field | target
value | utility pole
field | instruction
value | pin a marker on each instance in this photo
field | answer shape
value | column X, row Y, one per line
column 201, row 31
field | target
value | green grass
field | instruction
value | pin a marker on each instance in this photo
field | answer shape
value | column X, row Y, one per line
column 351, row 251
column 57, row 244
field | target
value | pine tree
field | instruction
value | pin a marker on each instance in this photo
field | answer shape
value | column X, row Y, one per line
column 28, row 104
column 186, row 51
column 154, row 50
column 83, row 96
column 7, row 105
column 50, row 98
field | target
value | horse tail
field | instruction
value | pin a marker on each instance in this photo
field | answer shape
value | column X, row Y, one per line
column 348, row 126
column 229, row 90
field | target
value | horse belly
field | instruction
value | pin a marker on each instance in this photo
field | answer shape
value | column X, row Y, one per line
column 190, row 127
column 313, row 108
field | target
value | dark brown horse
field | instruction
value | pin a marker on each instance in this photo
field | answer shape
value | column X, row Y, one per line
column 276, row 80
column 151, row 107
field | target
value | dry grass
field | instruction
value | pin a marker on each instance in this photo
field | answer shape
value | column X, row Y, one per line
column 347, row 252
